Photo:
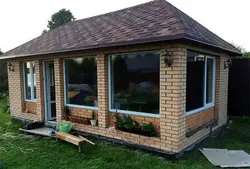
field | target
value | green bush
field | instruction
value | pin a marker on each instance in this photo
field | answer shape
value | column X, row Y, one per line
column 127, row 124
column 1, row 165
column 3, row 76
column 5, row 98
column 148, row 129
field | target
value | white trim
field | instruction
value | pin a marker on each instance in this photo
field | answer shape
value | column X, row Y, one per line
column 81, row 107
column 45, row 92
column 213, row 85
column 135, row 113
column 65, row 89
column 110, row 83
column 200, row 109
column 32, row 81
column 24, row 81
column 205, row 104
column 205, row 82
column 32, row 92
column 64, row 81
column 28, row 100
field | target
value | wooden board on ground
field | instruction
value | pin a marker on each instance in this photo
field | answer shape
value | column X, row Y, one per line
column 78, row 141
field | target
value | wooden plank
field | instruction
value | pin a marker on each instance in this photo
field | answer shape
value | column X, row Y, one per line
column 78, row 141
column 69, row 138
column 87, row 140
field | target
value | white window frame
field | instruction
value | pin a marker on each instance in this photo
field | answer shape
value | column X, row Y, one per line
column 205, row 104
column 144, row 114
column 65, row 88
column 32, row 93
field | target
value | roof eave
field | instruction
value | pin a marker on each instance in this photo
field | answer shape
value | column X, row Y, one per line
column 135, row 42
column 231, row 53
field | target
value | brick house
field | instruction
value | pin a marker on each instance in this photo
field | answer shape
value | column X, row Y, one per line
column 151, row 62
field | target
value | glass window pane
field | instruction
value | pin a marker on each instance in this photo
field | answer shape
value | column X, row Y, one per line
column 81, row 81
column 195, row 81
column 210, row 80
column 135, row 82
column 27, row 81
column 34, row 79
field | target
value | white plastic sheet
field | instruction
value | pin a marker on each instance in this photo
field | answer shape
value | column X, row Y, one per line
column 227, row 158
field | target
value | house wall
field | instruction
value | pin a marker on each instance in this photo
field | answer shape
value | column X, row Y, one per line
column 196, row 120
column 220, row 108
column 173, row 123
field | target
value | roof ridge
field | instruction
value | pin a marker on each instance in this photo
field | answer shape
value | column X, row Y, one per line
column 183, row 27
column 152, row 20
column 91, row 17
column 176, row 16
column 116, row 11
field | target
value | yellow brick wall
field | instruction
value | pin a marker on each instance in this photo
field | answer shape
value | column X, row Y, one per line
column 16, row 93
column 198, row 119
column 172, row 124
column 79, row 112
column 219, row 111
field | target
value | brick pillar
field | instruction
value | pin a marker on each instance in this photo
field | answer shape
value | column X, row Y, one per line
column 221, row 90
column 15, row 80
column 59, row 87
column 173, row 98
column 102, row 86
column 40, row 90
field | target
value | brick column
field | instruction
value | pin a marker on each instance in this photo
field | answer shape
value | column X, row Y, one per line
column 59, row 87
column 102, row 86
column 221, row 90
column 15, row 83
column 173, row 98
column 40, row 90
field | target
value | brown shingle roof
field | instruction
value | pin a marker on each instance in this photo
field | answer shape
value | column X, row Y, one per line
column 157, row 20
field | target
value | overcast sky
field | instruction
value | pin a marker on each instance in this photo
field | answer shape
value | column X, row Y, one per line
column 23, row 20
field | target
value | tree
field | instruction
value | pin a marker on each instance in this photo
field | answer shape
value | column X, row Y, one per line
column 246, row 54
column 3, row 75
column 241, row 49
column 45, row 31
column 59, row 18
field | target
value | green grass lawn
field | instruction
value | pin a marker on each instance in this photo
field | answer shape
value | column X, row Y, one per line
column 41, row 153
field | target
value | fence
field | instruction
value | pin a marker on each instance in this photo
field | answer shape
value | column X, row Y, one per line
column 239, row 88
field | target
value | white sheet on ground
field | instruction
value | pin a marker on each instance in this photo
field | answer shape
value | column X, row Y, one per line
column 43, row 131
column 227, row 158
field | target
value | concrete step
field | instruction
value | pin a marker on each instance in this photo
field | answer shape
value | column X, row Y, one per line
column 52, row 124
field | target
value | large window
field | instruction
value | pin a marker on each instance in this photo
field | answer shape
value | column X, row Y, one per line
column 81, row 82
column 29, row 81
column 200, row 81
column 134, row 83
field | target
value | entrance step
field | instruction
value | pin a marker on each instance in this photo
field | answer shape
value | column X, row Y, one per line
column 52, row 124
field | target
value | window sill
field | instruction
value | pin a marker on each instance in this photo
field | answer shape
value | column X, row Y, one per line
column 200, row 109
column 81, row 107
column 135, row 113
column 33, row 101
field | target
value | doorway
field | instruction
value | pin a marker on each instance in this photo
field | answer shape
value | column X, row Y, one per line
column 49, row 84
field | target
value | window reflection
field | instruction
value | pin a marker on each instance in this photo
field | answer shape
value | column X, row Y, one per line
column 81, row 81
column 135, row 82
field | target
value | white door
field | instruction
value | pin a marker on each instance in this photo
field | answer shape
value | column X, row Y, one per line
column 50, row 104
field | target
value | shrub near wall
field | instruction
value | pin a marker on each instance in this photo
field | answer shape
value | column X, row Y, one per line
column 127, row 124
